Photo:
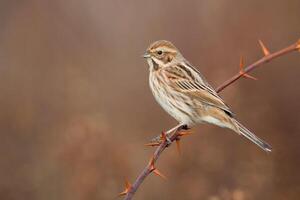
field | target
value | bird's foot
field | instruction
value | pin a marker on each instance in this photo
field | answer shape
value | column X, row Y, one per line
column 161, row 138
column 166, row 136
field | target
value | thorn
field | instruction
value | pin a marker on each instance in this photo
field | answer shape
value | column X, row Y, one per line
column 298, row 45
column 249, row 76
column 127, row 188
column 151, row 163
column 155, row 170
column 163, row 136
column 178, row 146
column 165, row 139
column 185, row 133
column 241, row 64
column 242, row 72
column 152, row 144
column 264, row 48
column 158, row 173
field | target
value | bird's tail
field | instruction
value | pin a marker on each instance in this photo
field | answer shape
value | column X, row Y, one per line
column 240, row 129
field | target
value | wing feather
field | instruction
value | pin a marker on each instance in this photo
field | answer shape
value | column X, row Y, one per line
column 189, row 80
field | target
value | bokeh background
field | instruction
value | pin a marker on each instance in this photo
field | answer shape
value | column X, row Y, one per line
column 76, row 108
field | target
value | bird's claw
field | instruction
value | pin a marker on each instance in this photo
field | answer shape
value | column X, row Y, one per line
column 166, row 136
column 168, row 141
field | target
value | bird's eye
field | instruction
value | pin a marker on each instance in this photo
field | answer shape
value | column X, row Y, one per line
column 159, row 52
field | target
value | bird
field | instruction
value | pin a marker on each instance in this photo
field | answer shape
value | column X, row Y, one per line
column 183, row 92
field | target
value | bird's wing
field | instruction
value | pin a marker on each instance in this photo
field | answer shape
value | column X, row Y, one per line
column 187, row 79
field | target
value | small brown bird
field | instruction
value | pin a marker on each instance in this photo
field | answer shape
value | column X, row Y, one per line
column 184, row 93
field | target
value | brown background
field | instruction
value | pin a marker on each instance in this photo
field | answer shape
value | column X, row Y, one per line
column 76, row 108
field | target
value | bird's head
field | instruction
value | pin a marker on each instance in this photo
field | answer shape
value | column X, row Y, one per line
column 161, row 53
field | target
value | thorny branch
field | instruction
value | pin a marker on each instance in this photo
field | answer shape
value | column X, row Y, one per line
column 131, row 189
column 268, row 57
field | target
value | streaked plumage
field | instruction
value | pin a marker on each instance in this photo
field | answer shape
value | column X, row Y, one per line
column 184, row 93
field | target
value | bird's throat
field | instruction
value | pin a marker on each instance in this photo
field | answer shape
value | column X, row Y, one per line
column 153, row 65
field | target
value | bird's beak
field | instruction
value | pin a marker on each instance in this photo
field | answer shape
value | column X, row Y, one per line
column 146, row 55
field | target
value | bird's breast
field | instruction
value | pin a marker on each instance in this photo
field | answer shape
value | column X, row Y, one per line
column 170, row 100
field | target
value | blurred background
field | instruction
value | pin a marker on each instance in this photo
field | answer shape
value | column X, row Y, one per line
column 76, row 109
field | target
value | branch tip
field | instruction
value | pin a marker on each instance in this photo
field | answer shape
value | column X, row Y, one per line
column 264, row 48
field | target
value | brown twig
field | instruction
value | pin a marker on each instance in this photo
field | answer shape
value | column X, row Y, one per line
column 131, row 189
column 268, row 57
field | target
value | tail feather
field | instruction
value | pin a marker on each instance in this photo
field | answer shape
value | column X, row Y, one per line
column 252, row 137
